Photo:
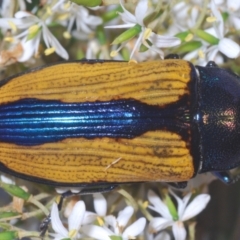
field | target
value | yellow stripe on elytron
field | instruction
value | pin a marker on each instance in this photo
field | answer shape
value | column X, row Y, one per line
column 154, row 156
column 157, row 82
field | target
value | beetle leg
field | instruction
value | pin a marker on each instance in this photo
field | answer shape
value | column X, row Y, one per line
column 97, row 189
column 224, row 177
column 178, row 184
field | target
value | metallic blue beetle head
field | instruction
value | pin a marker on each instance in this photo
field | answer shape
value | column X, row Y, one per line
column 219, row 118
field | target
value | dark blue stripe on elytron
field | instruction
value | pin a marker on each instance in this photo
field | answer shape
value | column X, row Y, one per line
column 33, row 122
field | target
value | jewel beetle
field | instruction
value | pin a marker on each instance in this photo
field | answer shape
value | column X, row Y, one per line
column 96, row 124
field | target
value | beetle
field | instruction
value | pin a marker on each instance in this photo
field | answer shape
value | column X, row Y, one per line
column 96, row 124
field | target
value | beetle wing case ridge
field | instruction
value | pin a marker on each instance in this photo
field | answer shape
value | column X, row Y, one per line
column 90, row 122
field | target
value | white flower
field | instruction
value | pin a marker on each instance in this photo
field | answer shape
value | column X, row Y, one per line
column 117, row 227
column 74, row 222
column 232, row 7
column 84, row 22
column 7, row 7
column 33, row 29
column 226, row 45
column 78, row 16
column 131, row 20
column 185, row 212
column 185, row 14
column 100, row 206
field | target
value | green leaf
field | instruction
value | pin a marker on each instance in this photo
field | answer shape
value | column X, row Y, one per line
column 88, row 3
column 128, row 34
column 15, row 191
column 207, row 37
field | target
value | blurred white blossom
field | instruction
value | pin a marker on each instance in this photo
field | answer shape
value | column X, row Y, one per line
column 74, row 222
column 185, row 212
column 146, row 33
column 32, row 30
column 226, row 45
column 117, row 226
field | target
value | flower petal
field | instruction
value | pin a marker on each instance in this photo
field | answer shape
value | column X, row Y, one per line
column 140, row 11
column 229, row 48
column 164, row 41
column 127, row 17
column 56, row 222
column 233, row 5
column 100, row 204
column 179, row 232
column 212, row 52
column 236, row 22
column 7, row 179
column 137, row 44
column 96, row 232
column 163, row 236
column 135, row 229
column 158, row 204
column 196, row 206
column 124, row 216
column 182, row 203
column 89, row 217
column 158, row 223
column 50, row 40
column 76, row 216
column 111, row 220
column 29, row 47
column 23, row 14
column 219, row 25
column 128, row 25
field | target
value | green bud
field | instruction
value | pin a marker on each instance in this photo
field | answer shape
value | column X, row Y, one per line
column 189, row 47
column 171, row 207
column 110, row 15
column 8, row 235
column 182, row 35
column 207, row 37
column 128, row 34
column 125, row 54
column 15, row 191
column 88, row 3
column 152, row 16
column 4, row 215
